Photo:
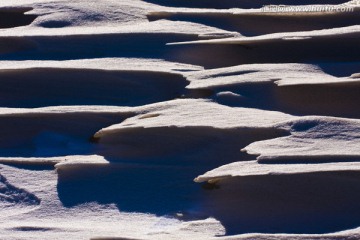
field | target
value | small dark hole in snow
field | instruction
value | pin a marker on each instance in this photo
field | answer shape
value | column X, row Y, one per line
column 93, row 139
column 210, row 186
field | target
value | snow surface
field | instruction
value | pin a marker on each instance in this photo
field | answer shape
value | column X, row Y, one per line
column 253, row 168
column 310, row 139
column 142, row 119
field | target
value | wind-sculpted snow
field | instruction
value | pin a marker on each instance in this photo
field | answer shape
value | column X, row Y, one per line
column 193, row 129
column 299, row 89
column 254, row 168
column 257, row 22
column 179, row 119
column 310, row 140
column 311, row 46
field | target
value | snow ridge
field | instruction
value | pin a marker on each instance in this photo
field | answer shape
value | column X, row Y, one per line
column 158, row 119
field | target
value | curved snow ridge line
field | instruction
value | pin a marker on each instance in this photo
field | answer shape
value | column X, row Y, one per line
column 254, row 168
column 57, row 110
column 283, row 74
column 337, row 33
column 173, row 144
column 198, row 113
column 110, row 64
column 81, row 162
column 68, row 162
column 75, row 86
column 256, row 22
column 158, row 27
column 312, row 139
column 190, row 129
column 300, row 47
column 57, row 162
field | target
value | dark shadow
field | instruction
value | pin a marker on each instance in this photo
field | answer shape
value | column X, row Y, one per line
column 223, row 4
column 52, row 135
column 28, row 88
column 301, row 203
column 161, row 183
column 340, row 69
column 161, row 190
column 141, row 45
column 211, row 55
column 30, row 166
column 15, row 17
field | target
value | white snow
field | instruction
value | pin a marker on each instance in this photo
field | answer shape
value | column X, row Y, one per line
column 109, row 110
column 310, row 139
column 253, row 168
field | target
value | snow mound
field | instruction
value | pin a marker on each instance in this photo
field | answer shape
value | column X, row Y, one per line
column 310, row 140
column 299, row 89
column 253, row 168
column 188, row 127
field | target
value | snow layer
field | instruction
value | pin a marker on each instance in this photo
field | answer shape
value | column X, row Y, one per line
column 310, row 139
column 294, row 88
column 109, row 109
column 253, row 168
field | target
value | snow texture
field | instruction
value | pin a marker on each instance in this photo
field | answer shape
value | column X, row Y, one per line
column 173, row 119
